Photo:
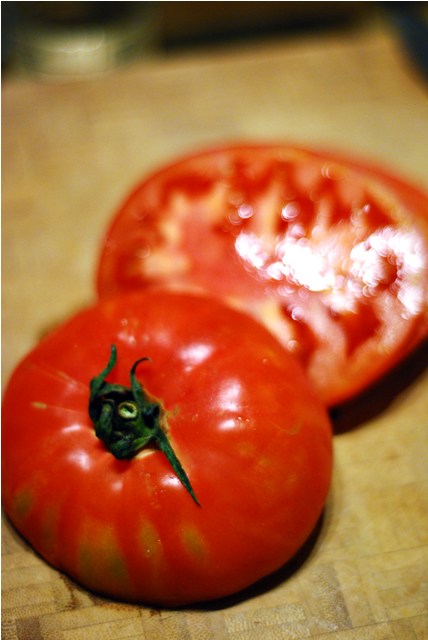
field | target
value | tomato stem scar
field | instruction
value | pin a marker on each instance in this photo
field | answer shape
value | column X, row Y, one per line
column 126, row 420
column 128, row 410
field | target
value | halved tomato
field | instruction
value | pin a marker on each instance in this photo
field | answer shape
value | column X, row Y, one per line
column 331, row 254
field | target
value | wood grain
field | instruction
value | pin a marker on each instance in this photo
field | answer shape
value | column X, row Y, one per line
column 71, row 151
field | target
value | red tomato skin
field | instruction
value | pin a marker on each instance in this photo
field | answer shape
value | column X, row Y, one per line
column 343, row 352
column 242, row 418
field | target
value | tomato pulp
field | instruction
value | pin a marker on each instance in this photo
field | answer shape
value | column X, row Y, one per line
column 252, row 439
column 330, row 254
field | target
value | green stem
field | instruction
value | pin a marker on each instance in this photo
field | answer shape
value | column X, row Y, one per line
column 126, row 420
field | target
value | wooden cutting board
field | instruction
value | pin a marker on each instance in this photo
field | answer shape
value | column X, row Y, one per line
column 71, row 150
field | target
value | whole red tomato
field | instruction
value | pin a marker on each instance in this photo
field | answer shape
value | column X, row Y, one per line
column 330, row 253
column 183, row 464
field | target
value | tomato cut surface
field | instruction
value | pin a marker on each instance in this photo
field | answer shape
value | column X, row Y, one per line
column 252, row 438
column 329, row 253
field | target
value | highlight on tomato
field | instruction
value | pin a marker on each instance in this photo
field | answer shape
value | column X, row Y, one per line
column 331, row 254
column 162, row 447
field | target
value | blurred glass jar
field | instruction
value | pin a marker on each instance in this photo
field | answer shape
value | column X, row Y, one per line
column 60, row 40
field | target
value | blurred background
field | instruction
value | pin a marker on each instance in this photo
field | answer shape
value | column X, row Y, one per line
column 67, row 39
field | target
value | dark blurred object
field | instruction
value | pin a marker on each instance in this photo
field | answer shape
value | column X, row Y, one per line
column 192, row 24
column 68, row 39
column 411, row 21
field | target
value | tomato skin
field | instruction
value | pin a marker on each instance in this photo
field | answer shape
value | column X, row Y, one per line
column 343, row 283
column 242, row 418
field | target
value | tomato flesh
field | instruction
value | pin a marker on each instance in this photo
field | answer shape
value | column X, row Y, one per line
column 253, row 438
column 331, row 255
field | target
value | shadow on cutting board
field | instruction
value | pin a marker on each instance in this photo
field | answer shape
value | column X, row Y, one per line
column 381, row 394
